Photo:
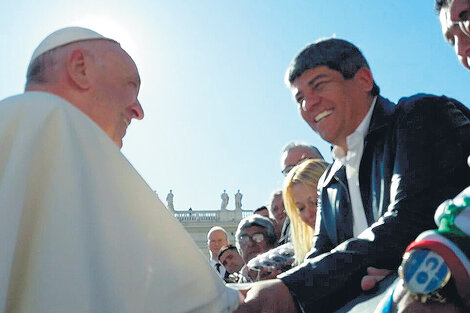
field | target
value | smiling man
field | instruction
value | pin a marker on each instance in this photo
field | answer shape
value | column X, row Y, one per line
column 91, row 72
column 81, row 230
column 393, row 165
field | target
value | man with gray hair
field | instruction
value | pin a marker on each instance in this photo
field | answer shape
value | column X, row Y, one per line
column 255, row 235
column 81, row 230
column 393, row 165
column 295, row 152
column 91, row 72
column 216, row 239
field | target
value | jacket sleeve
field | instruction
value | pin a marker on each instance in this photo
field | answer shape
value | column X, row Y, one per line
column 427, row 149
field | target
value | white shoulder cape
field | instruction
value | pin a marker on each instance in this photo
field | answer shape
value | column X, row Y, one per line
column 81, row 231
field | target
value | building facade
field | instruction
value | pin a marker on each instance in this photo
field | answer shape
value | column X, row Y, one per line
column 198, row 223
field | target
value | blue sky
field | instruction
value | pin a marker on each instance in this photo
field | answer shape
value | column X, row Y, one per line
column 217, row 112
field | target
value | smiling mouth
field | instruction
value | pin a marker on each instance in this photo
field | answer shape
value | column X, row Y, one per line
column 322, row 115
column 127, row 121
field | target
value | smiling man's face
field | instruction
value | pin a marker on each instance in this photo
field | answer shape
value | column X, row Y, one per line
column 332, row 105
column 116, row 84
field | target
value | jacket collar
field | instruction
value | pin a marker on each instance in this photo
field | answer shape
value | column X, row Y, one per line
column 381, row 117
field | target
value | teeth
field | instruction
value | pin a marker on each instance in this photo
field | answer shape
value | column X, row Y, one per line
column 127, row 121
column 323, row 114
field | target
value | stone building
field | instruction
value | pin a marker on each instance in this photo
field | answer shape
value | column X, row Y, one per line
column 198, row 223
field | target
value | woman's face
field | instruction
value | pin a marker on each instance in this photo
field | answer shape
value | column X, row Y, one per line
column 305, row 199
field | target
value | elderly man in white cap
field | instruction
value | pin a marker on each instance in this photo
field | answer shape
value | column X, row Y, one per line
column 91, row 72
column 80, row 230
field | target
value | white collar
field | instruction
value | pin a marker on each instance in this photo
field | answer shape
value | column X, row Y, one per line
column 358, row 135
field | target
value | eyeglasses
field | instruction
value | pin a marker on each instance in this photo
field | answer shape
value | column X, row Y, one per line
column 244, row 239
column 463, row 24
column 287, row 169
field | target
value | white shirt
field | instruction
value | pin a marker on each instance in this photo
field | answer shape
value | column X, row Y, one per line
column 352, row 161
column 221, row 271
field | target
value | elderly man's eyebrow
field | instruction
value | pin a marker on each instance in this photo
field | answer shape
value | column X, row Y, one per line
column 135, row 79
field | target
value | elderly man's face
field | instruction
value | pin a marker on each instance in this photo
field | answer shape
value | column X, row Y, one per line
column 116, row 86
column 249, row 248
column 332, row 105
column 217, row 239
column 294, row 156
column 458, row 12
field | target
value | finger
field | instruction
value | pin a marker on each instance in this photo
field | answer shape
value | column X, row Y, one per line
column 368, row 282
column 373, row 271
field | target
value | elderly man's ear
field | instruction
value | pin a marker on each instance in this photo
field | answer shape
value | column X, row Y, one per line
column 78, row 69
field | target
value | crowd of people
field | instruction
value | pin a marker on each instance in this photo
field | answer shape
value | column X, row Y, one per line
column 393, row 165
column 72, row 244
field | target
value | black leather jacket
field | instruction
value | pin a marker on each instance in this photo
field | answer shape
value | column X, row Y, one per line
column 414, row 158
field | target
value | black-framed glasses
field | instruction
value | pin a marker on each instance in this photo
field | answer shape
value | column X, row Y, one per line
column 287, row 169
column 257, row 237
column 464, row 23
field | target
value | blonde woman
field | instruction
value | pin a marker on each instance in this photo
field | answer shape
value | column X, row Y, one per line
column 300, row 200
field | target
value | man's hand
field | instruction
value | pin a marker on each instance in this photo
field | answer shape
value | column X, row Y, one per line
column 268, row 296
column 374, row 275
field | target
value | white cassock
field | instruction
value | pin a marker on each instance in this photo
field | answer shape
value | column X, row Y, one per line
column 81, row 231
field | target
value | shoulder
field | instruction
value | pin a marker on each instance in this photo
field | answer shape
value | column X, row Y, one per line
column 426, row 108
column 426, row 103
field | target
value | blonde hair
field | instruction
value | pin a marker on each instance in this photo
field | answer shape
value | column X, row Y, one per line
column 308, row 173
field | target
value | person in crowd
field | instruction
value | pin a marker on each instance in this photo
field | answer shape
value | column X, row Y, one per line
column 300, row 198
column 277, row 212
column 411, row 158
column 216, row 239
column 454, row 16
column 232, row 261
column 294, row 152
column 255, row 235
column 262, row 210
column 454, row 19
column 81, row 230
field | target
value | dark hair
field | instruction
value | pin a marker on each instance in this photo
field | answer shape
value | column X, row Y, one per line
column 224, row 249
column 439, row 4
column 261, row 208
column 337, row 54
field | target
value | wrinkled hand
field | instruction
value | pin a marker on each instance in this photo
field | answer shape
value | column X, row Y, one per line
column 374, row 275
column 268, row 296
